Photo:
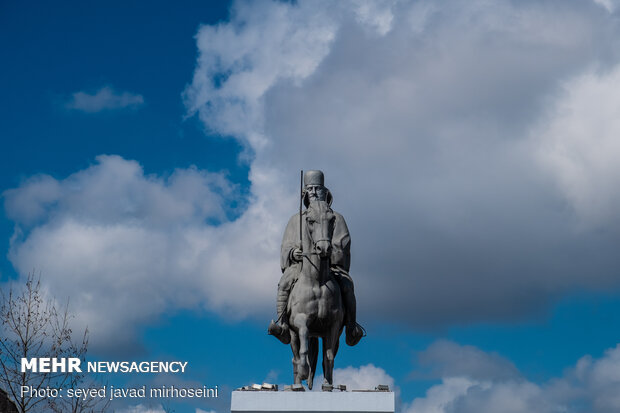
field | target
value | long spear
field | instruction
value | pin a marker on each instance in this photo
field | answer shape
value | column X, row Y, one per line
column 301, row 197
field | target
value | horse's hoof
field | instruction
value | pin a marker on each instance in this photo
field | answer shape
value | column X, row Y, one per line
column 327, row 387
column 298, row 387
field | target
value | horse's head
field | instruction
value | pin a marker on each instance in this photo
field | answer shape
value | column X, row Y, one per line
column 320, row 221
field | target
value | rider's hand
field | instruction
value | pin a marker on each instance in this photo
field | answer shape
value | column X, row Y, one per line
column 297, row 254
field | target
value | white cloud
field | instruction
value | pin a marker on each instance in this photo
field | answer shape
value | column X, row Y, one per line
column 29, row 203
column 592, row 385
column 141, row 408
column 439, row 397
column 579, row 144
column 127, row 247
column 609, row 5
column 239, row 62
column 375, row 14
column 105, row 98
column 448, row 359
column 363, row 378
column 599, row 379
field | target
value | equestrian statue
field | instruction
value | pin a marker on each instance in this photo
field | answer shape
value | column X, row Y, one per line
column 315, row 294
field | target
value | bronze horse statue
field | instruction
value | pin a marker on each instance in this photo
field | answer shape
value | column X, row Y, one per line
column 315, row 308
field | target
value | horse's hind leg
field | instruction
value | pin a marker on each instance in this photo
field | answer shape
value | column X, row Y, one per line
column 313, row 354
column 295, row 350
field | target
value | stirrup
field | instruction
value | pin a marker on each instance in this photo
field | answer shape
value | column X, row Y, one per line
column 281, row 333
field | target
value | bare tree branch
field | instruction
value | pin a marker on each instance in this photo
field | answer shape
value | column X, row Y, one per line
column 31, row 325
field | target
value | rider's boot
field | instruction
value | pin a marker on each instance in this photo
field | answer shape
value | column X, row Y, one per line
column 355, row 332
column 280, row 329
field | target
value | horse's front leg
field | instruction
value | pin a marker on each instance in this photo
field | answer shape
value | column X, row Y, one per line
column 313, row 352
column 295, row 350
column 303, row 368
column 330, row 349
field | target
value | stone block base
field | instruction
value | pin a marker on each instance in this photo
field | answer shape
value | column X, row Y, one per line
column 312, row 402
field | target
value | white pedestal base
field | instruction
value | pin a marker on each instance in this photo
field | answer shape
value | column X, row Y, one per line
column 311, row 402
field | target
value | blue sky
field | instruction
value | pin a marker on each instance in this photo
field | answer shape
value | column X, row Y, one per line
column 150, row 157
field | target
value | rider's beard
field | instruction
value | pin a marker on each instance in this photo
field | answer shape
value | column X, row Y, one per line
column 317, row 197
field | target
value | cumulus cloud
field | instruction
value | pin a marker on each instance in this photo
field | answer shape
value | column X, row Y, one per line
column 448, row 359
column 366, row 377
column 609, row 5
column 579, row 144
column 599, row 379
column 127, row 247
column 441, row 128
column 105, row 98
column 591, row 385
column 363, row 378
column 271, row 42
column 141, row 408
column 439, row 397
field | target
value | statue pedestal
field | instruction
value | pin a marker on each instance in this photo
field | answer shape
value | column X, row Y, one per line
column 306, row 402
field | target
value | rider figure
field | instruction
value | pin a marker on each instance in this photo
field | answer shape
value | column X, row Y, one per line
column 291, row 258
